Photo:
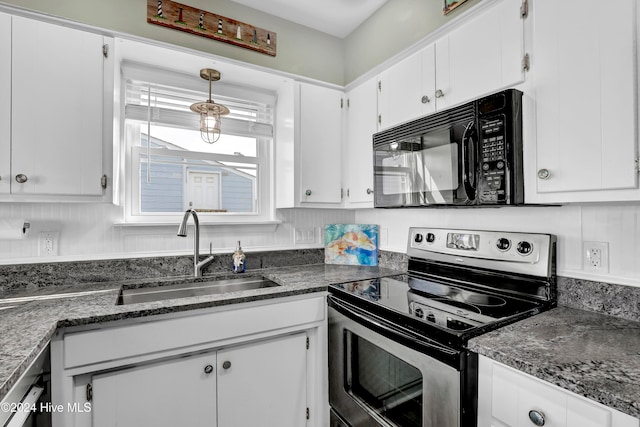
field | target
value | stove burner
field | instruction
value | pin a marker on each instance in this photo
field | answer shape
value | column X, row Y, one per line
column 458, row 304
column 484, row 300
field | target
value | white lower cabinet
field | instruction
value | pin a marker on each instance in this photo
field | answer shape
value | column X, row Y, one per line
column 263, row 384
column 254, row 365
column 5, row 104
column 510, row 398
column 163, row 394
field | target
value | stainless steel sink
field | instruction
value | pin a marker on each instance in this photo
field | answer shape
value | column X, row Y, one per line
column 192, row 289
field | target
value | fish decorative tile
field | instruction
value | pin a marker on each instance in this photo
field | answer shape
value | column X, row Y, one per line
column 351, row 244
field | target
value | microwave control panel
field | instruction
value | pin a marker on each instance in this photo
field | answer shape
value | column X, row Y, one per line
column 492, row 186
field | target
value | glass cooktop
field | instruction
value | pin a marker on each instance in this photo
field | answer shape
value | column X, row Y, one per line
column 451, row 307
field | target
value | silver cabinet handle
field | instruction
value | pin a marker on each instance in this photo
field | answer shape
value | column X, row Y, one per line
column 425, row 99
column 307, row 193
column 21, row 178
column 208, row 369
column 226, row 364
column 369, row 191
column 544, row 174
column 536, row 417
column 439, row 93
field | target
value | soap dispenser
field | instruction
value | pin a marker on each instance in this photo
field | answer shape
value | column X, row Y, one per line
column 238, row 260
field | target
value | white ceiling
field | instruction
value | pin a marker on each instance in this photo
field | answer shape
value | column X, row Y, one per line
column 336, row 17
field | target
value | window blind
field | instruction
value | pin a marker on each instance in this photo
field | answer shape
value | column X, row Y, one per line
column 251, row 111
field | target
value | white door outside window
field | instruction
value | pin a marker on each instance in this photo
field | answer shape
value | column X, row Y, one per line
column 203, row 191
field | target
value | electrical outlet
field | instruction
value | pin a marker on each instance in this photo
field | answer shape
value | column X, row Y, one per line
column 304, row 235
column 48, row 243
column 596, row 256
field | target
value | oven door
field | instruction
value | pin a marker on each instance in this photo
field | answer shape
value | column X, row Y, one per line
column 433, row 167
column 378, row 377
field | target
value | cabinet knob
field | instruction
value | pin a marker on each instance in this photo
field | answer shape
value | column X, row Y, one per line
column 208, row 369
column 439, row 93
column 21, row 178
column 369, row 191
column 226, row 364
column 425, row 99
column 307, row 193
column 536, row 417
column 544, row 174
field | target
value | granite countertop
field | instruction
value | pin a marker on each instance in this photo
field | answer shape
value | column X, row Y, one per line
column 27, row 324
column 591, row 354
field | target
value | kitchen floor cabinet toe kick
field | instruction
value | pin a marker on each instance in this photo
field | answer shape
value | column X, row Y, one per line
column 254, row 364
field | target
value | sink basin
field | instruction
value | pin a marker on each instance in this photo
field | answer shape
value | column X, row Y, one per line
column 193, row 289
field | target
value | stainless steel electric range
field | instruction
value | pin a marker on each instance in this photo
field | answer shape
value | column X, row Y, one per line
column 398, row 345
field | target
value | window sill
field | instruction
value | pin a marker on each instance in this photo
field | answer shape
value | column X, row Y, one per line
column 263, row 226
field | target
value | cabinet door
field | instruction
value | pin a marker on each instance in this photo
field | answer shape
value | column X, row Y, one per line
column 358, row 146
column 320, row 139
column 57, row 109
column 178, row 392
column 584, row 71
column 480, row 56
column 5, row 103
column 263, row 384
column 506, row 397
column 406, row 89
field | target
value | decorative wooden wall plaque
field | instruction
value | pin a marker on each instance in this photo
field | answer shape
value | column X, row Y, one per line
column 206, row 24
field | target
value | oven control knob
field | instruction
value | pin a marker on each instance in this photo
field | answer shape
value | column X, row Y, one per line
column 431, row 318
column 524, row 248
column 419, row 313
column 503, row 244
column 431, row 237
column 418, row 238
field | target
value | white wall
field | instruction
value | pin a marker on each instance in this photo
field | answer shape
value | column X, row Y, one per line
column 87, row 231
column 617, row 225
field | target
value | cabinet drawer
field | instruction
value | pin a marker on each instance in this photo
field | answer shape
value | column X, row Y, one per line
column 507, row 396
column 113, row 343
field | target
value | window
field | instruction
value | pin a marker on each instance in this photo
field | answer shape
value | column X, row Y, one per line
column 172, row 169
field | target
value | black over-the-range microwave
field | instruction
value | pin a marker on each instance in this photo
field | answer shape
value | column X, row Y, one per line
column 469, row 155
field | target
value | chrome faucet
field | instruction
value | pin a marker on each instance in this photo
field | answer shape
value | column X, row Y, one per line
column 182, row 232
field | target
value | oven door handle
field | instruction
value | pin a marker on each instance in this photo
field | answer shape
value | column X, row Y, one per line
column 376, row 323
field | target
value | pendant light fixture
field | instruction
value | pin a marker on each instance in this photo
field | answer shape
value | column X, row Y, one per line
column 209, row 111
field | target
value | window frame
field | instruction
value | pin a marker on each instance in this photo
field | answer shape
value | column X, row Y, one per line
column 130, row 194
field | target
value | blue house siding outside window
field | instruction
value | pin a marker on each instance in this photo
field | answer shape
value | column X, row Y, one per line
column 166, row 190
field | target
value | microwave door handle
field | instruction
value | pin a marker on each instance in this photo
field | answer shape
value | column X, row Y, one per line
column 469, row 190
column 370, row 321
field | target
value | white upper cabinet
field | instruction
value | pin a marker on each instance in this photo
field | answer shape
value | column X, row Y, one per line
column 481, row 55
column 5, row 103
column 59, row 85
column 406, row 89
column 320, row 139
column 308, row 146
column 585, row 88
column 357, row 161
